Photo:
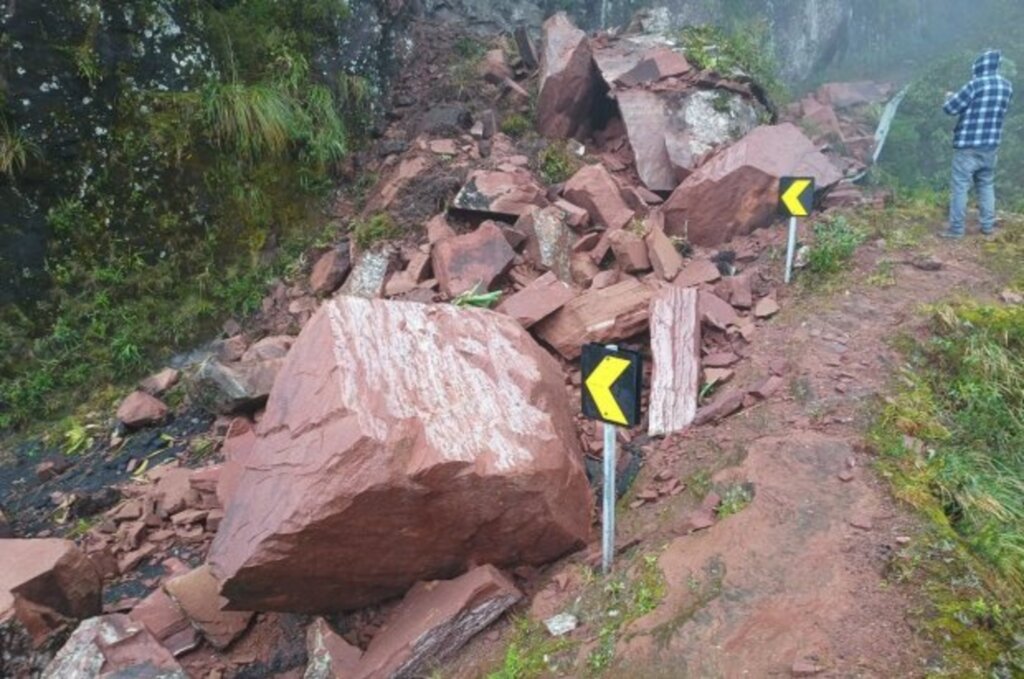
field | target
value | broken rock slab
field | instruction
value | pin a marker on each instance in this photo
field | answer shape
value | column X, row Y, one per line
column 736, row 191
column 665, row 259
column 436, row 619
column 616, row 312
column 549, row 240
column 594, row 189
column 568, row 80
column 234, row 388
column 503, row 193
column 473, row 261
column 43, row 581
column 113, row 647
column 331, row 270
column 401, row 434
column 196, row 592
column 538, row 300
column 671, row 132
column 630, row 251
column 696, row 272
column 369, row 273
column 675, row 347
column 164, row 619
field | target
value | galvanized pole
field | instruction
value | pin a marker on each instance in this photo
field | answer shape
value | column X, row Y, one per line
column 790, row 250
column 608, row 519
column 608, row 514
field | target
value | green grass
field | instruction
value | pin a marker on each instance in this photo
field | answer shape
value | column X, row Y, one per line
column 744, row 48
column 606, row 606
column 376, row 229
column 557, row 164
column 530, row 652
column 516, row 125
column 952, row 444
column 835, row 242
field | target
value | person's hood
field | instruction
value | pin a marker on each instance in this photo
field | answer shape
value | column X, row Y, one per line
column 988, row 63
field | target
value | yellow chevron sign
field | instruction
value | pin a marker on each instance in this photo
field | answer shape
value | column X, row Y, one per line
column 611, row 385
column 796, row 196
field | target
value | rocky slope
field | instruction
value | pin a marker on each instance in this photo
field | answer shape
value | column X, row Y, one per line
column 400, row 438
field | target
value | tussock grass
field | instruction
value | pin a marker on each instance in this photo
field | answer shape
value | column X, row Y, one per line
column 255, row 120
column 16, row 149
column 952, row 444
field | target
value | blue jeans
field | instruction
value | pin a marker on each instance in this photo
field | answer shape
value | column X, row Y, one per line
column 973, row 167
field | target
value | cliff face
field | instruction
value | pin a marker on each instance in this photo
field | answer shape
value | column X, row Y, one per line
column 104, row 94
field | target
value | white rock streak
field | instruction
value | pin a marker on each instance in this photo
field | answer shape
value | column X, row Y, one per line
column 468, row 386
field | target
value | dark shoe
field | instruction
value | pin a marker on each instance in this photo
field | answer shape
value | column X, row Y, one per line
column 990, row 235
column 951, row 235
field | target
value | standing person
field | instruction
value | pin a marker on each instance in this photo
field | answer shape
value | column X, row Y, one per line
column 981, row 105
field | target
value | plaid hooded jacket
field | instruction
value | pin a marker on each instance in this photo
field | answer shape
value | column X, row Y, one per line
column 981, row 105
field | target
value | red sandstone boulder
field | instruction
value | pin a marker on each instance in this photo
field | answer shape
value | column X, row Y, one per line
column 820, row 121
column 44, row 582
column 538, row 300
column 401, row 442
column 235, row 387
column 139, row 409
column 568, row 81
column 506, row 193
column 615, row 312
column 737, row 191
column 330, row 271
column 472, row 261
column 594, row 189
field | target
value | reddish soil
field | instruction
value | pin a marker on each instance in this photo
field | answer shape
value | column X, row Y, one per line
column 795, row 581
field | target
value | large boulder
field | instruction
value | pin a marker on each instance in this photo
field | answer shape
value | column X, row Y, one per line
column 402, row 442
column 737, row 191
column 568, row 82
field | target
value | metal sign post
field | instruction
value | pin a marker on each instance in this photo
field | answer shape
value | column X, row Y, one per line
column 796, row 199
column 608, row 513
column 791, row 249
column 611, row 394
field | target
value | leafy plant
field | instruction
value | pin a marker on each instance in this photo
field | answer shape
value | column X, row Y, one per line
column 835, row 242
column 734, row 499
column 474, row 298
